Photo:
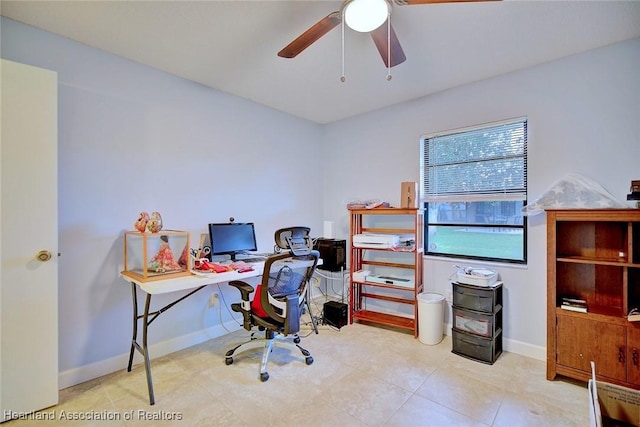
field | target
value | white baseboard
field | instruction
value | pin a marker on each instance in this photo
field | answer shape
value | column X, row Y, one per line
column 84, row 373
column 517, row 347
column 525, row 349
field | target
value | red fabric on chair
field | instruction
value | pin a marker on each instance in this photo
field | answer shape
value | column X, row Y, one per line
column 256, row 304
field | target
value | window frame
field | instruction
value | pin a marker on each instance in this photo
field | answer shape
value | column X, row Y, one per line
column 459, row 195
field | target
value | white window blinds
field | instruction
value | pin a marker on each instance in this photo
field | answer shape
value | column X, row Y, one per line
column 479, row 163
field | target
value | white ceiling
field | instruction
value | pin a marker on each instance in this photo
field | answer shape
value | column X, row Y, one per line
column 232, row 45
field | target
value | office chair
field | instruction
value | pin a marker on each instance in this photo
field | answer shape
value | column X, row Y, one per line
column 278, row 300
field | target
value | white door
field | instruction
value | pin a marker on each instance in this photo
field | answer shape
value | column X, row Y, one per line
column 29, row 212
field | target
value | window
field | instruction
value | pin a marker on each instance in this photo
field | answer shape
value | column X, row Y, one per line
column 474, row 183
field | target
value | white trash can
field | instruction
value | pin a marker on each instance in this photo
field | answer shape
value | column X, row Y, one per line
column 430, row 317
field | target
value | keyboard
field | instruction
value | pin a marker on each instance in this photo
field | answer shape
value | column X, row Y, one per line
column 252, row 260
column 261, row 254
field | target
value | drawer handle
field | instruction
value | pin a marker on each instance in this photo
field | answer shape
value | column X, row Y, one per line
column 620, row 355
column 634, row 356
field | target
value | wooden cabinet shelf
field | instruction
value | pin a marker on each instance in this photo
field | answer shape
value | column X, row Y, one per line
column 384, row 285
column 593, row 255
column 385, row 319
column 387, row 303
column 400, row 300
column 598, row 261
column 597, row 312
column 388, row 264
column 384, row 230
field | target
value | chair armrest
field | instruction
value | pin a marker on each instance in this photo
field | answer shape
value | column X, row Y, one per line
column 244, row 288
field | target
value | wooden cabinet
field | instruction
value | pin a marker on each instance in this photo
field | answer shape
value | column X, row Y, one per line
column 387, row 302
column 633, row 353
column 583, row 340
column 594, row 255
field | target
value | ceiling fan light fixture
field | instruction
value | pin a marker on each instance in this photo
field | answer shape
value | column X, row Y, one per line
column 366, row 15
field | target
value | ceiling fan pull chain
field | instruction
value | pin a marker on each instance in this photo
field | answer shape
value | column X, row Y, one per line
column 343, row 78
column 389, row 47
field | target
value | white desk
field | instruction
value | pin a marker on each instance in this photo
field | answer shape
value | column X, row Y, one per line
column 191, row 283
column 165, row 286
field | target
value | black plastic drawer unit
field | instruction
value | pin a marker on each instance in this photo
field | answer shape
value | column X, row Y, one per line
column 477, row 348
column 477, row 321
column 478, row 298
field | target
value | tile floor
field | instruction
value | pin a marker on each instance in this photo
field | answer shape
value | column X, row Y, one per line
column 362, row 376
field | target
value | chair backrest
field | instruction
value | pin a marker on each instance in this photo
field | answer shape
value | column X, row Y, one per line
column 284, row 286
column 296, row 239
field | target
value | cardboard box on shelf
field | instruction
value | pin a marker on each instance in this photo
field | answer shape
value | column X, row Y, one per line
column 409, row 195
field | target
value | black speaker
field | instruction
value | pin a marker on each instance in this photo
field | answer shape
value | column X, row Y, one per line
column 333, row 254
column 335, row 314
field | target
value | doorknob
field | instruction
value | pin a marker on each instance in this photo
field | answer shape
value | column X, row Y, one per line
column 43, row 256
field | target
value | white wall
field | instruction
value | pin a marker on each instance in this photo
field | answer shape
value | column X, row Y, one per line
column 134, row 139
column 583, row 116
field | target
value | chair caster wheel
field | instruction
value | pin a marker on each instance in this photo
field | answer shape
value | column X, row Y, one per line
column 308, row 360
column 296, row 340
column 228, row 361
column 264, row 376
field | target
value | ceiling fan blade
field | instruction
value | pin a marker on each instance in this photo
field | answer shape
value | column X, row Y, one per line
column 307, row 38
column 414, row 2
column 379, row 36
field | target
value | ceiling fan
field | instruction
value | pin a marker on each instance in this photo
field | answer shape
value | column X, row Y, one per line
column 355, row 13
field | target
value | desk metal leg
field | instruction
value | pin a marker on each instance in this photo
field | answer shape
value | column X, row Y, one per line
column 145, row 350
column 313, row 320
column 306, row 300
column 134, row 341
column 135, row 325
column 147, row 317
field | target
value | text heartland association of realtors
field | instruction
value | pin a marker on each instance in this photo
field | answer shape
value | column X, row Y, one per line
column 139, row 414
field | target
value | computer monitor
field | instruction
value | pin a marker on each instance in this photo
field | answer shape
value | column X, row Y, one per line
column 232, row 238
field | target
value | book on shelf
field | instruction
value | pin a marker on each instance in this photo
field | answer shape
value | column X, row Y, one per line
column 574, row 307
column 574, row 304
column 574, row 300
